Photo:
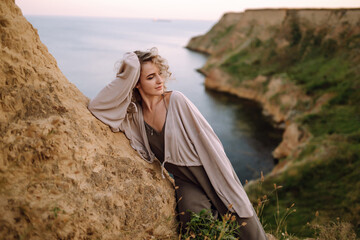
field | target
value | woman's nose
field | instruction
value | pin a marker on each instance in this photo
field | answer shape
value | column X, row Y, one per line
column 159, row 79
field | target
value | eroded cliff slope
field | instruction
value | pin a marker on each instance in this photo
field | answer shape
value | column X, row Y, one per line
column 64, row 174
column 303, row 66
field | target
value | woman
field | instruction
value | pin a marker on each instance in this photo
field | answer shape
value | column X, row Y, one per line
column 167, row 126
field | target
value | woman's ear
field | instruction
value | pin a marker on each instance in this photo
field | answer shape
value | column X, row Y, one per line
column 138, row 85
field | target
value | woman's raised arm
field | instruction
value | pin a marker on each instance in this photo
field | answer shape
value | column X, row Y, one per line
column 111, row 103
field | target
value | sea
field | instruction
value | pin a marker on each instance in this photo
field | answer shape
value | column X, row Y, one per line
column 88, row 49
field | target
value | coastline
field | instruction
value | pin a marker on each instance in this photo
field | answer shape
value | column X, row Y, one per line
column 301, row 66
column 294, row 136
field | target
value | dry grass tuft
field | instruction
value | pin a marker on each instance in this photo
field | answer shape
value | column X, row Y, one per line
column 337, row 230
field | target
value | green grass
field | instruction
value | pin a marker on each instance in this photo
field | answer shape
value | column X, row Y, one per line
column 328, row 184
column 205, row 226
column 249, row 63
column 221, row 34
column 320, row 74
column 337, row 119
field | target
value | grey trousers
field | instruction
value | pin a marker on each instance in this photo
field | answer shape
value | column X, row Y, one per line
column 198, row 197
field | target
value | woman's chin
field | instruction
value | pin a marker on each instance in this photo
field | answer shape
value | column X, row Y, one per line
column 156, row 93
column 160, row 90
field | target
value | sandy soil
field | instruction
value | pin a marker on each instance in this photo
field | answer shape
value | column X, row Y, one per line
column 64, row 174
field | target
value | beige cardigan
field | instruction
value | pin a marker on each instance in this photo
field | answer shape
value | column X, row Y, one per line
column 189, row 139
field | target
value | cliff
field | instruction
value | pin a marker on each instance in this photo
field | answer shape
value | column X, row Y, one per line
column 248, row 52
column 302, row 66
column 64, row 174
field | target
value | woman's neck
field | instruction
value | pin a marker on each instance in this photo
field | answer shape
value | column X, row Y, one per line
column 149, row 102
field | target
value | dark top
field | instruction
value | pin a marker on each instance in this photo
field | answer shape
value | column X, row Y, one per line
column 183, row 175
column 156, row 141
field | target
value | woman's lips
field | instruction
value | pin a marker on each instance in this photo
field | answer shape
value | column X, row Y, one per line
column 159, row 88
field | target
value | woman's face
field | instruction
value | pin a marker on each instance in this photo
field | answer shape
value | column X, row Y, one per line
column 151, row 81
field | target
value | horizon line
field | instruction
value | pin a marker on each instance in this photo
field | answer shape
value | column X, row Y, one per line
column 187, row 19
column 118, row 17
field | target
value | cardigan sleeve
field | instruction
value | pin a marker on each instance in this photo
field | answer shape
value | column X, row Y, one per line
column 111, row 104
column 213, row 158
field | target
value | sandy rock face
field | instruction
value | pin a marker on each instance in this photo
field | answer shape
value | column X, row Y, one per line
column 64, row 174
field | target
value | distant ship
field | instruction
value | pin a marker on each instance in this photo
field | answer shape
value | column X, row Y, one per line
column 161, row 20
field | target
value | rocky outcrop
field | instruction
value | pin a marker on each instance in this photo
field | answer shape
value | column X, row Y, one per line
column 236, row 31
column 234, row 42
column 64, row 174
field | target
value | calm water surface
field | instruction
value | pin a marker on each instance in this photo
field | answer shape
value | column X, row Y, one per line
column 87, row 49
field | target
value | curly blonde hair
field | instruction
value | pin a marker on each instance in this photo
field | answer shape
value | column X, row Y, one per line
column 153, row 56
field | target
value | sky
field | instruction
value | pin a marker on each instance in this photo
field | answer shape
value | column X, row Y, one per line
column 166, row 9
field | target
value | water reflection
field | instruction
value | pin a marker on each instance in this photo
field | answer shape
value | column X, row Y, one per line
column 248, row 136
